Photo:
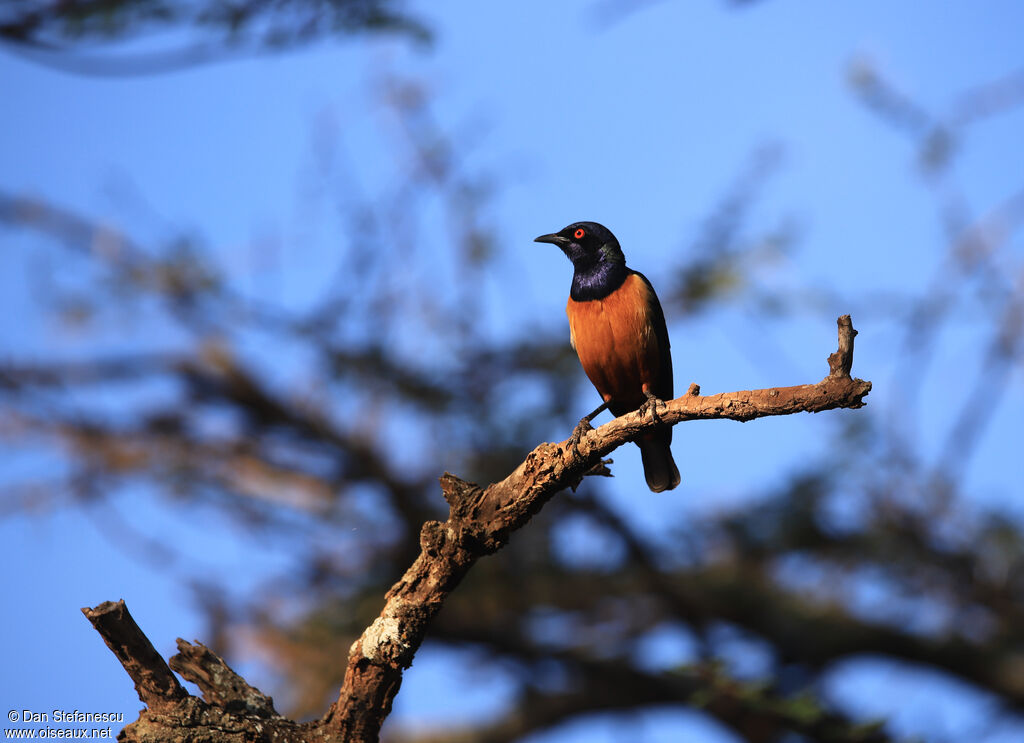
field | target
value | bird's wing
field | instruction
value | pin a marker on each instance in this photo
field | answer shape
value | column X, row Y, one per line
column 665, row 390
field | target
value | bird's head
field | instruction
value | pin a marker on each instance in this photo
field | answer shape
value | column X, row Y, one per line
column 586, row 244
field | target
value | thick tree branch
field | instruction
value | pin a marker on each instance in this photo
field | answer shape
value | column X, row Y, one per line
column 481, row 521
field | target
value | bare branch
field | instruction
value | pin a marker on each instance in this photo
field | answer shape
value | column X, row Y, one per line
column 481, row 521
column 220, row 684
column 234, row 711
column 841, row 362
column 156, row 685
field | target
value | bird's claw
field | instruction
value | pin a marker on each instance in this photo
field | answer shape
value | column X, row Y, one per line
column 581, row 430
column 651, row 406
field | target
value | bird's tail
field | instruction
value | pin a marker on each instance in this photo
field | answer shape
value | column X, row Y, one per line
column 659, row 467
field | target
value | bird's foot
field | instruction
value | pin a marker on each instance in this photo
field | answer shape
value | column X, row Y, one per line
column 581, row 430
column 584, row 427
column 651, row 406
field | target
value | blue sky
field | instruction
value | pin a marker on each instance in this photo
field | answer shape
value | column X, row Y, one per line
column 641, row 123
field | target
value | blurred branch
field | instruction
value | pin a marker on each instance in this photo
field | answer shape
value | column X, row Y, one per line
column 15, row 377
column 609, row 12
column 754, row 710
column 990, row 99
column 720, row 260
column 63, row 33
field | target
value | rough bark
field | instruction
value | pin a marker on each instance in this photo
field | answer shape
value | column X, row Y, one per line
column 480, row 522
column 156, row 686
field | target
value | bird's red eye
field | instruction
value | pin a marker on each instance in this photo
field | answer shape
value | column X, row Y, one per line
column 579, row 233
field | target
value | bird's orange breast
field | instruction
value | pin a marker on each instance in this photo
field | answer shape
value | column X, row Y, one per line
column 615, row 340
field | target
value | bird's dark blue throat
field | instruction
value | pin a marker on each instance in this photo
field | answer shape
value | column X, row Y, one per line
column 597, row 280
column 599, row 268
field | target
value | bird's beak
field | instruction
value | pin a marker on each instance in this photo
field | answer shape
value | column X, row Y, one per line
column 558, row 240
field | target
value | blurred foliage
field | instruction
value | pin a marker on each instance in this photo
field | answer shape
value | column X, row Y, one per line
column 329, row 448
column 65, row 32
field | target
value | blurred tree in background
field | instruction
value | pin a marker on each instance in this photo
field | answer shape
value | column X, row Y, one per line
column 330, row 445
column 79, row 34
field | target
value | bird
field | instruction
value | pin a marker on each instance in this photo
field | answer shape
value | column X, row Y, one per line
column 617, row 328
